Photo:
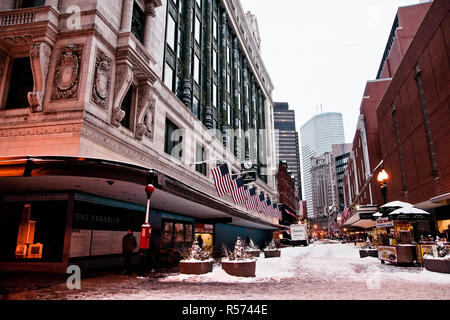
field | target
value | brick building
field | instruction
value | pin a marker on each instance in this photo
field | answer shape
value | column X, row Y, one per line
column 414, row 117
column 287, row 194
column 366, row 159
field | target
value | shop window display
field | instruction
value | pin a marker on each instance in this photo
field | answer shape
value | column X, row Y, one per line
column 32, row 231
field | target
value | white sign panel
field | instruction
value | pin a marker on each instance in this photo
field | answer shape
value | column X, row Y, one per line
column 80, row 243
column 298, row 232
column 384, row 223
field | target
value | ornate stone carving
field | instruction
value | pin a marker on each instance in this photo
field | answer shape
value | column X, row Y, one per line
column 145, row 112
column 67, row 74
column 124, row 77
column 40, row 53
column 102, row 80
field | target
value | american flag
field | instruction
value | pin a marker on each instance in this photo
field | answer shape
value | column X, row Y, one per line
column 239, row 193
column 276, row 211
column 261, row 203
column 252, row 199
column 269, row 209
column 222, row 179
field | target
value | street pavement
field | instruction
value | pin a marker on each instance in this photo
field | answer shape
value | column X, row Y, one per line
column 325, row 270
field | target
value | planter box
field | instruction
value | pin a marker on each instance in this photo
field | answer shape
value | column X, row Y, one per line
column 437, row 265
column 272, row 253
column 254, row 253
column 200, row 267
column 368, row 253
column 239, row 269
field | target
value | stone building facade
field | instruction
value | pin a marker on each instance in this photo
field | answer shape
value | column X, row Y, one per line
column 140, row 83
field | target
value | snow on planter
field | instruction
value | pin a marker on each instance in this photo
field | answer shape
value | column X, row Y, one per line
column 238, row 262
column 252, row 249
column 271, row 251
column 195, row 260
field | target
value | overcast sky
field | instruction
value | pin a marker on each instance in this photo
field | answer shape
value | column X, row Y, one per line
column 323, row 52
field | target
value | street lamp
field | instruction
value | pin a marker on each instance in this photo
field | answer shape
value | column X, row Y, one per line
column 382, row 178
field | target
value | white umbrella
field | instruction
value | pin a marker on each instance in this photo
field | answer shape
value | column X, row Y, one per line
column 393, row 205
column 399, row 204
column 409, row 213
column 377, row 215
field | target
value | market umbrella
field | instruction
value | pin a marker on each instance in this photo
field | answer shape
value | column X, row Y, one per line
column 376, row 215
column 409, row 213
column 393, row 205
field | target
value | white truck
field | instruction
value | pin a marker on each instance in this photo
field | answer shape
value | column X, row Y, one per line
column 299, row 234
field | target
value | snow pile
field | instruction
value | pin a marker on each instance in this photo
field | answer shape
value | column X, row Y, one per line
column 273, row 269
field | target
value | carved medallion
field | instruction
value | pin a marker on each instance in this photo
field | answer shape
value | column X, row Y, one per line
column 67, row 73
column 102, row 80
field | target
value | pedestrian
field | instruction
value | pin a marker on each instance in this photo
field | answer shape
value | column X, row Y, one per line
column 128, row 245
column 200, row 241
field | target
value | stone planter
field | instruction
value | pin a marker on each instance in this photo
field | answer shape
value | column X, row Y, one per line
column 200, row 267
column 368, row 253
column 254, row 253
column 239, row 268
column 272, row 253
column 437, row 265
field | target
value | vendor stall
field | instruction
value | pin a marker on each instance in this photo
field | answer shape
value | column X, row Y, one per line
column 395, row 234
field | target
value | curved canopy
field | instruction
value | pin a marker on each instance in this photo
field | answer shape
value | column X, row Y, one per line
column 409, row 213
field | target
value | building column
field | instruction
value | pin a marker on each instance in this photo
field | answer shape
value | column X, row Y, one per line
column 223, row 74
column 246, row 110
column 127, row 15
column 209, row 20
column 236, row 111
column 187, row 58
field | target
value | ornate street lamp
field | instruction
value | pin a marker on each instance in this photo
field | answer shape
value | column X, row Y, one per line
column 382, row 178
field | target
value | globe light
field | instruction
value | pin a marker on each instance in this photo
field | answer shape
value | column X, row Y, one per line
column 382, row 176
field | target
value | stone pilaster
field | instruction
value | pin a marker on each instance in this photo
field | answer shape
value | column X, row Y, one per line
column 187, row 58
column 223, row 73
column 208, row 102
column 127, row 15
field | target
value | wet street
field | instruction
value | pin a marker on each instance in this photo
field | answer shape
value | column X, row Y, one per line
column 324, row 270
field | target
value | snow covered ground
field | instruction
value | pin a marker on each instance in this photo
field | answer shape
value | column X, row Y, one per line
column 320, row 271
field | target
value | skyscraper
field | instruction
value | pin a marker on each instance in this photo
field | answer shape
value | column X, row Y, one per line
column 288, row 146
column 317, row 137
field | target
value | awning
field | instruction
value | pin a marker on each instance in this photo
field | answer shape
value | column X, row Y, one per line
column 356, row 221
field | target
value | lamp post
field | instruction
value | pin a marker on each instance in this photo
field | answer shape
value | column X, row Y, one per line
column 146, row 231
column 382, row 178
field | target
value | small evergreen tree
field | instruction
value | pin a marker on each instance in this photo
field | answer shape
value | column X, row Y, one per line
column 271, row 245
column 441, row 248
column 251, row 246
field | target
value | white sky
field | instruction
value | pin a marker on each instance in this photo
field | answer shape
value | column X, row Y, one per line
column 323, row 52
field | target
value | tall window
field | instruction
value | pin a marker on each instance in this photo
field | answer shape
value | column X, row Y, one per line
column 138, row 22
column 21, row 83
column 195, row 107
column 127, row 107
column 200, row 157
column 196, row 69
column 173, row 140
column 168, row 76
column 197, row 32
column 171, row 35
column 31, row 3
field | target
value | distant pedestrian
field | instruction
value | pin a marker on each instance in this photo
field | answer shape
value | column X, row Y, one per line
column 128, row 245
column 200, row 241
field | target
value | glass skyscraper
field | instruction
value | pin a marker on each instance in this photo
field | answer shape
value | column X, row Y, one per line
column 317, row 137
column 287, row 148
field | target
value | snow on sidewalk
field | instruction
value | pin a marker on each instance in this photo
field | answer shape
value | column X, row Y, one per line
column 321, row 263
